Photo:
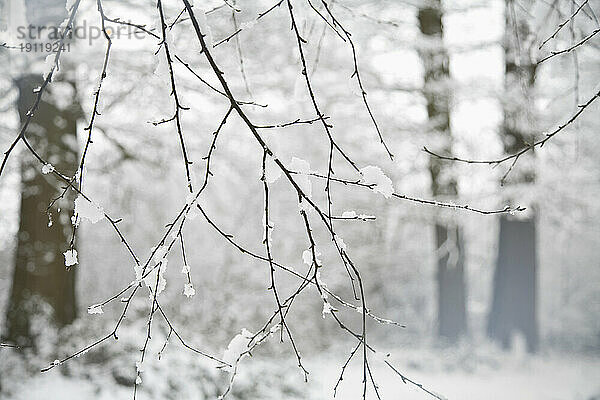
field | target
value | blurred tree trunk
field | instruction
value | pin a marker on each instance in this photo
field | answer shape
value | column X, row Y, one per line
column 452, row 320
column 40, row 275
column 513, row 309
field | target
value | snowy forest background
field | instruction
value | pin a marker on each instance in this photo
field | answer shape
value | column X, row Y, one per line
column 497, row 300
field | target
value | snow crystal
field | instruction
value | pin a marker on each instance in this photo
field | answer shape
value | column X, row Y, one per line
column 185, row 269
column 188, row 290
column 372, row 175
column 237, row 346
column 88, row 210
column 95, row 309
column 342, row 244
column 70, row 257
column 138, row 380
column 47, row 168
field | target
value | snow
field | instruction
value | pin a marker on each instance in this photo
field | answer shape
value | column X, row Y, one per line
column 349, row 214
column 188, row 290
column 237, row 346
column 327, row 309
column 307, row 257
column 70, row 257
column 95, row 309
column 47, row 168
column 499, row 377
column 88, row 210
column 160, row 252
column 456, row 375
column 157, row 273
column 50, row 65
column 372, row 175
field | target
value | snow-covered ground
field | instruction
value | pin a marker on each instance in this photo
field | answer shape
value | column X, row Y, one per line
column 549, row 377
column 460, row 375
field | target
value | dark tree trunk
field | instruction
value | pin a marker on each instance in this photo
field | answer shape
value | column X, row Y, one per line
column 452, row 315
column 513, row 309
column 452, row 321
column 514, row 301
column 40, row 275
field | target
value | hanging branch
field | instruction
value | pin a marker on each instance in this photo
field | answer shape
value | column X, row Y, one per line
column 513, row 158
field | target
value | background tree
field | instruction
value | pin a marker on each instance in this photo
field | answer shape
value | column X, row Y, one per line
column 449, row 245
column 40, row 276
column 513, row 308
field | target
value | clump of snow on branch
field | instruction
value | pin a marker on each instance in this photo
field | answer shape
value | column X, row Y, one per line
column 70, row 257
column 188, row 290
column 95, row 309
column 151, row 279
column 51, row 65
column 88, row 210
column 307, row 257
column 235, row 349
column 47, row 168
column 327, row 308
column 349, row 214
column 372, row 175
